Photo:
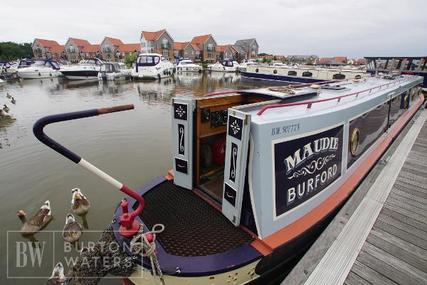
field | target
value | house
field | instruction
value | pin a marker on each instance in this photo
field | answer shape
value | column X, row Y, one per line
column 302, row 59
column 249, row 46
column 47, row 49
column 207, row 46
column 332, row 61
column 186, row 50
column 91, row 51
column 226, row 52
column 74, row 49
column 109, row 48
column 158, row 42
column 126, row 49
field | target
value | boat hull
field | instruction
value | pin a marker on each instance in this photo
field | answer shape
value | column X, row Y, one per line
column 38, row 74
column 281, row 78
column 80, row 74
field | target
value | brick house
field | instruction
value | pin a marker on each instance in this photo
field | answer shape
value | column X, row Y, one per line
column 207, row 46
column 126, row 49
column 158, row 42
column 47, row 49
column 91, row 51
column 249, row 46
column 109, row 48
column 226, row 52
column 186, row 50
column 74, row 49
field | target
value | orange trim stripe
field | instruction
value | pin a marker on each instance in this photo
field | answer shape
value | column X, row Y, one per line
column 298, row 227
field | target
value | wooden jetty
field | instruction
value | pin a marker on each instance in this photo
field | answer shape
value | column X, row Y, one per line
column 380, row 235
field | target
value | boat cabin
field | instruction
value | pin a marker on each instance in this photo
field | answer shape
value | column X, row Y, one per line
column 110, row 67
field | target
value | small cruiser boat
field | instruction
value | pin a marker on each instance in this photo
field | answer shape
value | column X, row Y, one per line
column 38, row 69
column 244, row 65
column 188, row 65
column 257, row 175
column 86, row 69
column 296, row 74
column 111, row 71
column 152, row 66
column 224, row 66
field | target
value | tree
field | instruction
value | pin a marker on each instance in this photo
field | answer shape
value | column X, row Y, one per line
column 11, row 50
column 130, row 58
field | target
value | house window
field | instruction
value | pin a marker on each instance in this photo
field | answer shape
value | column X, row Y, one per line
column 292, row 73
column 165, row 43
column 210, row 47
column 307, row 74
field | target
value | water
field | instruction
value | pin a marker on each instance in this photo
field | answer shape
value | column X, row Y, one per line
column 133, row 146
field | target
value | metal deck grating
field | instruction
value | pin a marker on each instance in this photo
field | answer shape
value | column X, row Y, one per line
column 192, row 226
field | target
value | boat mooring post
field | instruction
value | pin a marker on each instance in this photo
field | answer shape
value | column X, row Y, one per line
column 129, row 226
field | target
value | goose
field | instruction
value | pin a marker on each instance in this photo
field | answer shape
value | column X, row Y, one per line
column 72, row 230
column 58, row 276
column 38, row 221
column 79, row 203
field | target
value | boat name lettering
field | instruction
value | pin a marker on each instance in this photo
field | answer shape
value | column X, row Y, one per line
column 305, row 166
column 284, row 129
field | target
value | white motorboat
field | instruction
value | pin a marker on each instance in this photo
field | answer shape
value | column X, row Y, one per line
column 152, row 66
column 244, row 65
column 2, row 81
column 38, row 69
column 224, row 66
column 84, row 70
column 188, row 65
column 112, row 71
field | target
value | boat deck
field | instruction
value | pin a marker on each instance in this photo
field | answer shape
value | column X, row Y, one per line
column 352, row 93
column 380, row 235
column 192, row 226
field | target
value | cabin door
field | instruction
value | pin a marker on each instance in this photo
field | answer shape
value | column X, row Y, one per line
column 236, row 154
column 182, row 146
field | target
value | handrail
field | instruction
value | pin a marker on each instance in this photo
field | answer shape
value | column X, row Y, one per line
column 338, row 98
column 128, row 224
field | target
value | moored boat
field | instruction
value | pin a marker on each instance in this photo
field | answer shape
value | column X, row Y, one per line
column 224, row 66
column 256, row 174
column 110, row 71
column 187, row 65
column 288, row 74
column 39, row 69
column 152, row 66
column 86, row 69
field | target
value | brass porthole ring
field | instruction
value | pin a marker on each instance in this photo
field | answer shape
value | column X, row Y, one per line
column 354, row 141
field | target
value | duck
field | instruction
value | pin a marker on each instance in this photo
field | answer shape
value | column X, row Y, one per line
column 13, row 101
column 72, row 229
column 38, row 221
column 58, row 276
column 5, row 108
column 79, row 203
column 8, row 96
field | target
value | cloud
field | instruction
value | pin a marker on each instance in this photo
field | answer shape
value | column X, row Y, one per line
column 335, row 27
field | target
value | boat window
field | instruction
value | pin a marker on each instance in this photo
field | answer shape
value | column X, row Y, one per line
column 148, row 60
column 307, row 74
column 275, row 71
column 227, row 63
column 107, row 68
column 292, row 73
column 338, row 76
column 55, row 65
column 358, row 76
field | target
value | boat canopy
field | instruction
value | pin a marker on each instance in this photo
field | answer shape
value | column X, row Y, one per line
column 148, row 60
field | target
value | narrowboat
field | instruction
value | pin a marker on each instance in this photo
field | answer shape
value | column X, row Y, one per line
column 404, row 64
column 294, row 74
column 256, row 175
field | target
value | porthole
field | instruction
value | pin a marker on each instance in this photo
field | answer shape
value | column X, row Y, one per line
column 358, row 76
column 307, row 74
column 338, row 76
column 256, row 70
column 275, row 71
column 354, row 141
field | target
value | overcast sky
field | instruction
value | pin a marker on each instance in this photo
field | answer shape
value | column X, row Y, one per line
column 323, row 27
